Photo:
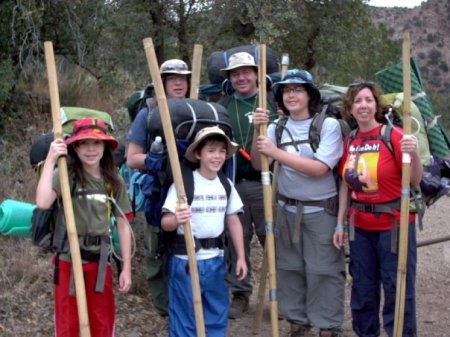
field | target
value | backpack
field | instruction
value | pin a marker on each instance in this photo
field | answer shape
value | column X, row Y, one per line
column 68, row 115
column 430, row 188
column 48, row 229
column 328, row 109
column 187, row 117
column 218, row 60
column 138, row 100
column 171, row 243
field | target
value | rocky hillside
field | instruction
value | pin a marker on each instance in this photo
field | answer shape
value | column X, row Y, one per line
column 429, row 28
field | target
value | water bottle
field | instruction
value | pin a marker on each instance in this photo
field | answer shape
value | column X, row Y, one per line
column 157, row 145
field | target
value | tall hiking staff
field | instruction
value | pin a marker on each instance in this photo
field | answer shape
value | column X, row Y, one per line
column 264, row 268
column 72, row 235
column 404, row 211
column 196, row 67
column 177, row 179
column 267, row 193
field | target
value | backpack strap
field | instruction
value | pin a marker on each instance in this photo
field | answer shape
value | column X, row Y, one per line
column 176, row 242
column 316, row 126
column 280, row 126
column 385, row 133
column 188, row 180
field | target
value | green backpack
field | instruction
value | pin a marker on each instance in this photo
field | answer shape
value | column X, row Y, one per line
column 71, row 114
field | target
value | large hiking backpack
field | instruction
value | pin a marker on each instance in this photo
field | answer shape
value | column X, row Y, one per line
column 49, row 232
column 330, row 107
column 188, row 116
column 219, row 60
column 69, row 115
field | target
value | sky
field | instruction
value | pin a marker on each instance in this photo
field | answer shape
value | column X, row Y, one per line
column 396, row 3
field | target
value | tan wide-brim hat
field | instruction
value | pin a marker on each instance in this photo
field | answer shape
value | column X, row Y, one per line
column 239, row 60
column 205, row 133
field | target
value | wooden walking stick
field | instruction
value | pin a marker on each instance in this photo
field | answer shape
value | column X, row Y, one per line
column 72, row 235
column 264, row 268
column 177, row 179
column 404, row 212
column 196, row 67
column 267, row 193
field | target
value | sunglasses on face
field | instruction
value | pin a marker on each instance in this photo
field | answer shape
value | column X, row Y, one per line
column 362, row 84
column 296, row 90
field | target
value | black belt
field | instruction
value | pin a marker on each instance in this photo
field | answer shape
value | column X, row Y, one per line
column 179, row 246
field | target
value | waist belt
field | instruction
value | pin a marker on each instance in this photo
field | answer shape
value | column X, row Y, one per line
column 102, row 257
column 387, row 207
column 330, row 205
column 179, row 246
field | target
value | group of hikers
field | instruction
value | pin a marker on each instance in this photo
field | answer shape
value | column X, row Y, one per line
column 313, row 211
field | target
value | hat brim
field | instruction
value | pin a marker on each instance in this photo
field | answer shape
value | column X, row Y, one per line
column 232, row 147
column 313, row 89
column 177, row 72
column 225, row 71
column 100, row 136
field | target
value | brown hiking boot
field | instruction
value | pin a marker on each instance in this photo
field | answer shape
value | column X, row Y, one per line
column 238, row 306
column 300, row 330
column 330, row 333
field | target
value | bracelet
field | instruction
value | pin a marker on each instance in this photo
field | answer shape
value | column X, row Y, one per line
column 339, row 227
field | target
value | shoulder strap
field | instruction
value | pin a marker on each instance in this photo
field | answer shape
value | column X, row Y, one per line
column 226, row 184
column 271, row 101
column 279, row 129
column 351, row 136
column 188, row 180
column 316, row 126
column 385, row 133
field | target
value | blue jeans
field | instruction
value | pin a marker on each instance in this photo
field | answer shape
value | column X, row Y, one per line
column 371, row 265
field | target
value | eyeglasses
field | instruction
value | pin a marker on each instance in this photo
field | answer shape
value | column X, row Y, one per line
column 295, row 90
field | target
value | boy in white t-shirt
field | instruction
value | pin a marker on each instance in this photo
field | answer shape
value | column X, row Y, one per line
column 209, row 211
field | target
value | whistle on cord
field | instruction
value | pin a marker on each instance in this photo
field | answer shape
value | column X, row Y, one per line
column 245, row 154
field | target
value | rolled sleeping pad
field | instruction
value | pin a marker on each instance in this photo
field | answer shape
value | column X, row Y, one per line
column 190, row 115
column 15, row 218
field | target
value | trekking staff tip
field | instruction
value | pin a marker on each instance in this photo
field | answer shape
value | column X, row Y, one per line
column 196, row 68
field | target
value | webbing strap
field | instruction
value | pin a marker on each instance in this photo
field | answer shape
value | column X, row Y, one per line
column 388, row 208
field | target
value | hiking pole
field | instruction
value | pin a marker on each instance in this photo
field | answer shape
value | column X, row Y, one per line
column 177, row 179
column 432, row 241
column 196, row 67
column 404, row 211
column 263, row 278
column 72, row 235
column 267, row 193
